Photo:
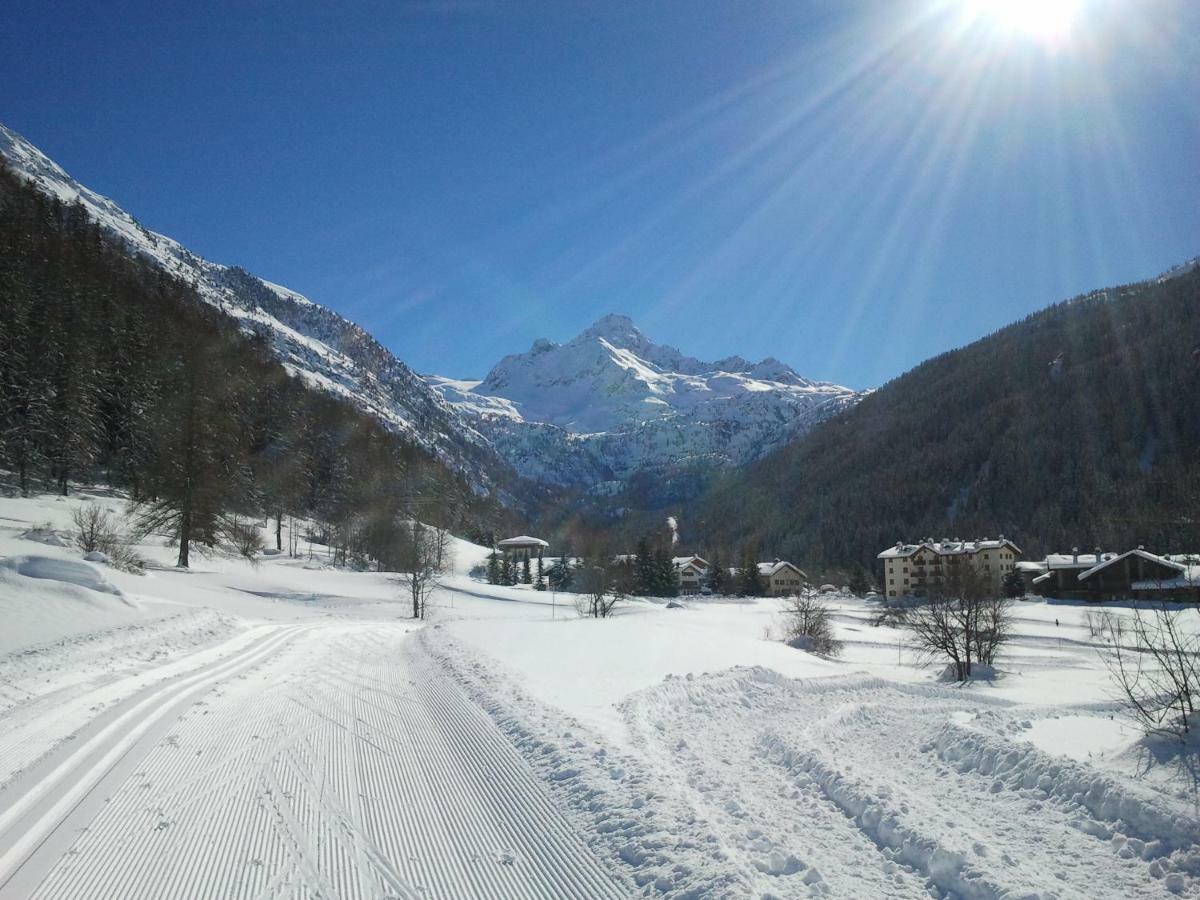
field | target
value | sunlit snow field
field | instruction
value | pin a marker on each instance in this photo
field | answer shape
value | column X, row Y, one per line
column 285, row 729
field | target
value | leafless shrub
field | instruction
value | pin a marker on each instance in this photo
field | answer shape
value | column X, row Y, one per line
column 96, row 531
column 245, row 539
column 1154, row 659
column 808, row 625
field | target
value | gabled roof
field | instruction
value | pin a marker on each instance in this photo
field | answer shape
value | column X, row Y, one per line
column 1161, row 560
column 774, row 568
column 697, row 561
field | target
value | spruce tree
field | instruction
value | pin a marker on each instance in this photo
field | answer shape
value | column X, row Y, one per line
column 859, row 582
column 716, row 578
column 644, row 575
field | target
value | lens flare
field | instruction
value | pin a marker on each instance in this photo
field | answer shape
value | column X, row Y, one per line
column 1044, row 20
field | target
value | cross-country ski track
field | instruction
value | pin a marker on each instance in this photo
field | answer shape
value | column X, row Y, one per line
column 323, row 759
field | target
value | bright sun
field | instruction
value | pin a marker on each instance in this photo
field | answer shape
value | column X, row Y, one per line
column 1045, row 20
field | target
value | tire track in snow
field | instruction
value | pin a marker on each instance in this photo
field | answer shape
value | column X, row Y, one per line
column 347, row 766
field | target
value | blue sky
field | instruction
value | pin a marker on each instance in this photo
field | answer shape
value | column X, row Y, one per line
column 851, row 187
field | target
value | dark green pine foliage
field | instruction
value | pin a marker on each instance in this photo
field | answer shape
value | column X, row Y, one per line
column 111, row 371
column 749, row 581
column 644, row 575
column 561, row 574
column 1078, row 426
column 526, row 572
column 716, row 579
column 859, row 582
column 666, row 577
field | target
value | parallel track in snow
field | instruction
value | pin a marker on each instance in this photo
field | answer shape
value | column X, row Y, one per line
column 333, row 760
column 66, row 788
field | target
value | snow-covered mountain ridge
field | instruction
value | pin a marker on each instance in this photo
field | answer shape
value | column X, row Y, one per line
column 611, row 402
column 591, row 412
column 311, row 341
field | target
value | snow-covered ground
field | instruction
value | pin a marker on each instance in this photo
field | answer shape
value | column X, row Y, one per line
column 284, row 729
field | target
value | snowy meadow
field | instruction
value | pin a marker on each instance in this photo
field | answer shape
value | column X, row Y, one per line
column 288, row 724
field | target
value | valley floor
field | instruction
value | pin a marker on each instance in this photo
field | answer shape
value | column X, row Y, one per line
column 285, row 730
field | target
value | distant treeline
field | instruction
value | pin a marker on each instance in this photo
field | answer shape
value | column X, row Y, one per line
column 113, row 371
column 1078, row 426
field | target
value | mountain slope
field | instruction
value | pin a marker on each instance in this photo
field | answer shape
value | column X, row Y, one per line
column 611, row 403
column 325, row 349
column 1079, row 426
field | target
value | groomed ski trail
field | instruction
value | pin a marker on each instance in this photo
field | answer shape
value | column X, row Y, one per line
column 337, row 761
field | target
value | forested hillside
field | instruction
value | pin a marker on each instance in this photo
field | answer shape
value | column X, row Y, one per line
column 113, row 371
column 1079, row 426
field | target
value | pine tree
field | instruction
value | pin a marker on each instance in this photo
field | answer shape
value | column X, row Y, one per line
column 526, row 572
column 200, row 474
column 561, row 574
column 666, row 576
column 493, row 567
column 859, row 582
column 716, row 579
column 750, row 583
column 644, row 575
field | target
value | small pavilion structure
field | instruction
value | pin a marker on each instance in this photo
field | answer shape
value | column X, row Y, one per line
column 523, row 547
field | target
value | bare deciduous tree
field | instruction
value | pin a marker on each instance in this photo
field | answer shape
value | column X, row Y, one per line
column 598, row 596
column 963, row 621
column 808, row 625
column 420, row 558
column 1154, row 659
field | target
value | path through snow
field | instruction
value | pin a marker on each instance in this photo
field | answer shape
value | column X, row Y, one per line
column 321, row 759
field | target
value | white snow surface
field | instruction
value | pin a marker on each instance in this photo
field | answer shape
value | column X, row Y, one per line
column 285, row 729
column 612, row 402
column 67, row 571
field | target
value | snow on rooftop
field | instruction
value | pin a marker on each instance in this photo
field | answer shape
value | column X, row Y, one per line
column 947, row 547
column 1162, row 560
column 523, row 540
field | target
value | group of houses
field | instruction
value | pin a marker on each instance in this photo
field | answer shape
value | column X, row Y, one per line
column 779, row 578
column 1135, row 574
column 924, row 567
column 921, row 568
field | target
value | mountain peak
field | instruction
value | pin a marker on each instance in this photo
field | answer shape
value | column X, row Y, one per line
column 614, row 328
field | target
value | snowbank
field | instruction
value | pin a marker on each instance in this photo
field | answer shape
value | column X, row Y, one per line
column 65, row 570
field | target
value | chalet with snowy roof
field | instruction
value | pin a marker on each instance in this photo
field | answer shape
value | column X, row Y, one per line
column 912, row 570
column 692, row 572
column 781, row 578
column 1132, row 575
column 523, row 547
column 1112, row 579
column 1059, row 573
